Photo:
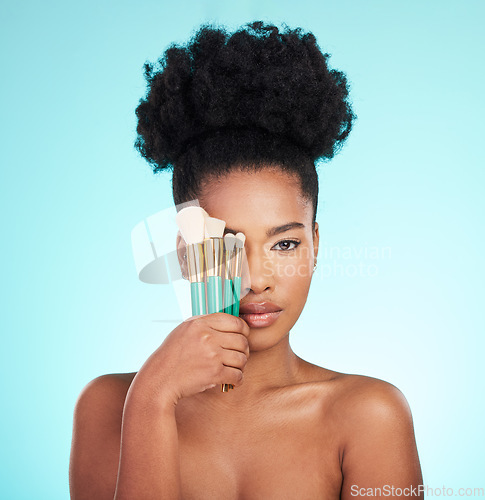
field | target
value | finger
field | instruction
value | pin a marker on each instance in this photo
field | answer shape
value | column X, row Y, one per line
column 223, row 322
column 234, row 359
column 235, row 342
column 231, row 375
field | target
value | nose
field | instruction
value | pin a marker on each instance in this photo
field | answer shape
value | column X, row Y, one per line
column 258, row 273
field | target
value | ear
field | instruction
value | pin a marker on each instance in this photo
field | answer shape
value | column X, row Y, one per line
column 316, row 239
column 182, row 255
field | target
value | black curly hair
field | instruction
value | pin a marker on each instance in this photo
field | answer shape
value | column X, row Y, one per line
column 255, row 98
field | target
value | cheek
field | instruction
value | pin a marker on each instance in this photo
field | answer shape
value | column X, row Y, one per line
column 294, row 274
column 295, row 266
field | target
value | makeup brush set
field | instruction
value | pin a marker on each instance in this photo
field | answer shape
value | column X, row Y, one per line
column 214, row 263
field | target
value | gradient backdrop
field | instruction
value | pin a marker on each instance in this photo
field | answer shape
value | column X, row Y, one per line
column 398, row 293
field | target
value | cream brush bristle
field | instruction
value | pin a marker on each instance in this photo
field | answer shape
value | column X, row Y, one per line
column 191, row 222
column 229, row 242
column 241, row 239
column 214, row 228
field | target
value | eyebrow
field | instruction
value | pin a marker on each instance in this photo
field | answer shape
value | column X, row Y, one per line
column 274, row 230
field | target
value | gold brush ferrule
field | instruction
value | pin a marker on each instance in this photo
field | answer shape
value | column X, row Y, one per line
column 209, row 256
column 228, row 264
column 213, row 252
column 218, row 255
column 237, row 266
column 195, row 259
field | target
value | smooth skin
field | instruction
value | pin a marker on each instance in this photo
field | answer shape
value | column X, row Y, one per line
column 289, row 429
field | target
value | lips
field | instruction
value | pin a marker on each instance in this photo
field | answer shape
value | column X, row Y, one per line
column 258, row 308
column 259, row 314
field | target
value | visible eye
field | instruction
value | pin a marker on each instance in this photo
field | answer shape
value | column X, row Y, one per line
column 285, row 245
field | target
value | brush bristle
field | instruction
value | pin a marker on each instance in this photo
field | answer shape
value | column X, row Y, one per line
column 240, row 240
column 214, row 228
column 191, row 222
column 229, row 242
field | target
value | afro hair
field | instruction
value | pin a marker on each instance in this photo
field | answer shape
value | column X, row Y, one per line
column 255, row 97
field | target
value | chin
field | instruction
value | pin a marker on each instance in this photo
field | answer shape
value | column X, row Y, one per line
column 262, row 339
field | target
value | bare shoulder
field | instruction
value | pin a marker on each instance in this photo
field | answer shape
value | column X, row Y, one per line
column 353, row 392
column 101, row 402
column 374, row 425
column 375, row 397
column 369, row 408
column 357, row 399
column 377, row 444
column 107, row 390
column 96, row 436
column 113, row 379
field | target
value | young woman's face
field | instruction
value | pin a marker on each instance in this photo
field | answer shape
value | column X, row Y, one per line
column 281, row 248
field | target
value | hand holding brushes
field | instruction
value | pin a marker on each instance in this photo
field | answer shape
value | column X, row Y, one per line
column 207, row 251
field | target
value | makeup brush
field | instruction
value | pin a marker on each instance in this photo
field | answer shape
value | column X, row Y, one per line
column 236, row 278
column 194, row 223
column 232, row 287
column 213, row 253
column 191, row 222
column 229, row 243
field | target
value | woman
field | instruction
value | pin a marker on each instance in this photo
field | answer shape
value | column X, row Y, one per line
column 242, row 119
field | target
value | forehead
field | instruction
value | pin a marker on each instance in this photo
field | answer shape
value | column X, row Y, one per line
column 265, row 198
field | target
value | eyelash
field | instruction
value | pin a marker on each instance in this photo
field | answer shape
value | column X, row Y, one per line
column 295, row 242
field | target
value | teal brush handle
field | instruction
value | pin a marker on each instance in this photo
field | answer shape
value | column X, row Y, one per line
column 214, row 294
column 237, row 295
column 228, row 296
column 228, row 308
column 232, row 293
column 197, row 295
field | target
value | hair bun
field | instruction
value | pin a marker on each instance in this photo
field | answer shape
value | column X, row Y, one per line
column 259, row 77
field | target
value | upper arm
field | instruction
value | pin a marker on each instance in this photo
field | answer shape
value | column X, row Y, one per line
column 95, row 448
column 380, row 449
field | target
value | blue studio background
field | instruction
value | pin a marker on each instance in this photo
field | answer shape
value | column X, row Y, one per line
column 399, row 291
